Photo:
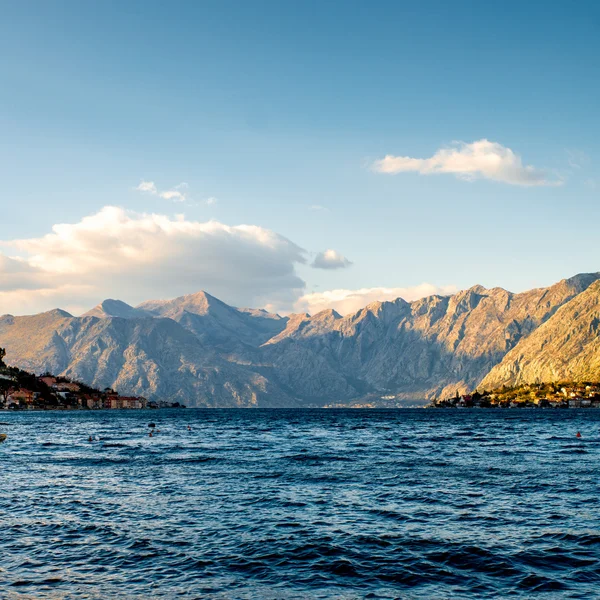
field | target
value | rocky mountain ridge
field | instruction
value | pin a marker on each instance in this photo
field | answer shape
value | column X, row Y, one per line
column 200, row 351
column 564, row 348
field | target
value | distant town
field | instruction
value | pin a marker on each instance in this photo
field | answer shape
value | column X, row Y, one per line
column 564, row 394
column 20, row 390
column 539, row 395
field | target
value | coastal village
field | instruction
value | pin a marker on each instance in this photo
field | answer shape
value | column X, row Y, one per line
column 539, row 395
column 20, row 390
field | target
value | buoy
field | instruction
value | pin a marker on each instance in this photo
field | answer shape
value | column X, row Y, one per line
column 2, row 437
column 578, row 434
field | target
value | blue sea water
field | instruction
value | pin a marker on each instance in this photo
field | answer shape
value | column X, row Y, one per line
column 300, row 504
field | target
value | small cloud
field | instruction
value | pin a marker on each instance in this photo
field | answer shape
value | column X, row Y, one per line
column 211, row 201
column 148, row 187
column 173, row 195
column 177, row 194
column 479, row 160
column 330, row 259
column 577, row 159
column 590, row 183
column 318, row 208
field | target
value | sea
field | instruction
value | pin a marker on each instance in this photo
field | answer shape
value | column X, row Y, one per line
column 281, row 504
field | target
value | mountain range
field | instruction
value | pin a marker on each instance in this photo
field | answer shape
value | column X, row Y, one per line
column 200, row 351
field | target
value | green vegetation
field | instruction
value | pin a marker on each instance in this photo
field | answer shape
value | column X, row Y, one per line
column 559, row 394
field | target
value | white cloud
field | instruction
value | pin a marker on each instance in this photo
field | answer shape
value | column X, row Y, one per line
column 136, row 257
column 211, row 201
column 350, row 301
column 177, row 194
column 174, row 195
column 318, row 208
column 330, row 259
column 147, row 186
column 481, row 159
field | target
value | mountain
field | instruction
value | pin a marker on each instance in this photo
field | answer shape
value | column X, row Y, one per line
column 116, row 308
column 429, row 347
column 215, row 322
column 198, row 350
column 152, row 357
column 566, row 347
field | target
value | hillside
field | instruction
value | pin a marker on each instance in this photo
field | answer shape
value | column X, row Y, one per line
column 566, row 347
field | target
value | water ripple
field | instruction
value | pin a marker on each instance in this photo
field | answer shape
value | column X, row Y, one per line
column 300, row 504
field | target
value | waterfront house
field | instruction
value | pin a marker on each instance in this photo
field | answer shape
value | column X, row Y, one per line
column 111, row 400
column 132, row 402
column 21, row 396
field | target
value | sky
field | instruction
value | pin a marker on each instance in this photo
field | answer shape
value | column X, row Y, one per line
column 294, row 156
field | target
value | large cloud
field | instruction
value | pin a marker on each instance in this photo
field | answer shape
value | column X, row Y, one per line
column 349, row 301
column 480, row 159
column 135, row 257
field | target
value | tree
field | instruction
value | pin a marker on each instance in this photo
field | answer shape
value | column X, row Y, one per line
column 2, row 355
column 5, row 385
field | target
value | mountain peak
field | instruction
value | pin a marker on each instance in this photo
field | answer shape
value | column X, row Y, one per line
column 582, row 280
column 328, row 313
column 59, row 312
column 115, row 308
column 477, row 289
column 378, row 306
column 200, row 295
column 198, row 303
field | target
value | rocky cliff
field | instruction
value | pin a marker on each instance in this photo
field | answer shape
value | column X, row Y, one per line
column 566, row 347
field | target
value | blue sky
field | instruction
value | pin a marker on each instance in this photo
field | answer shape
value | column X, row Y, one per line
column 272, row 108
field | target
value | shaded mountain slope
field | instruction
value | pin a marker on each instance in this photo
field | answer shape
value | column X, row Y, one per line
column 153, row 357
